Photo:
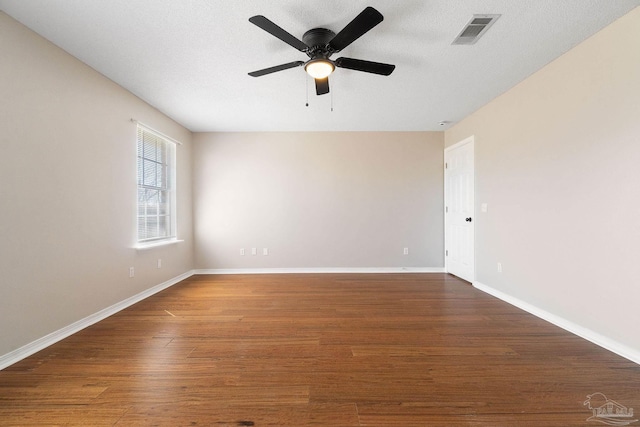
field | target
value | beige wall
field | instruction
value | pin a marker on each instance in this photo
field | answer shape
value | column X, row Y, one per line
column 557, row 161
column 318, row 200
column 67, row 189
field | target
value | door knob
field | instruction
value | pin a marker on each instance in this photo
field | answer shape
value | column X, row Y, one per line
column 468, row 219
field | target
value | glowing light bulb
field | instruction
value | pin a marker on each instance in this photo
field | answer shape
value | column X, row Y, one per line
column 319, row 68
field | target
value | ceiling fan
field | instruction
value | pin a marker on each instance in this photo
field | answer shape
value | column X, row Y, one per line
column 320, row 43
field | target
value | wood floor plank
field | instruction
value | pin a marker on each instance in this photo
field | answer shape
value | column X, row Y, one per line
column 62, row 415
column 316, row 349
column 213, row 414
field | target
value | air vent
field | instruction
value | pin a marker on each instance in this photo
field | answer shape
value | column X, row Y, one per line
column 478, row 25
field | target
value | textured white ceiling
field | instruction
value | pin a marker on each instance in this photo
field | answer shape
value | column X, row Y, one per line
column 190, row 58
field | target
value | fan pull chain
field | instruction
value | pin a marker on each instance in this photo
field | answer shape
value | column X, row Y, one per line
column 306, row 81
column 331, row 93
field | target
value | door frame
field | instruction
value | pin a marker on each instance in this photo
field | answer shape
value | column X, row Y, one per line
column 468, row 140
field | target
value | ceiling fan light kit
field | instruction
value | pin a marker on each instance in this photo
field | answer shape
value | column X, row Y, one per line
column 320, row 43
column 319, row 68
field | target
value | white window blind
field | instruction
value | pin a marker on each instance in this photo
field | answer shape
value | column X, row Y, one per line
column 156, row 189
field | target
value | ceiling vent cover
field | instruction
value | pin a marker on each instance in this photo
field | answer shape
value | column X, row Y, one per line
column 478, row 25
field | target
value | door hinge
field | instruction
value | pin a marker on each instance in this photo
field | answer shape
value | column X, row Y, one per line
column 446, row 165
column 446, row 209
column 446, row 253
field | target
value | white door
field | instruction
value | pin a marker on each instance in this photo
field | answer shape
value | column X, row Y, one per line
column 459, row 209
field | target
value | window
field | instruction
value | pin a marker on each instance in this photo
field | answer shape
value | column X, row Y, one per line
column 156, row 187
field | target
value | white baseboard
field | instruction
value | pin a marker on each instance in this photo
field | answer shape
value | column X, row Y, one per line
column 44, row 342
column 588, row 334
column 320, row 270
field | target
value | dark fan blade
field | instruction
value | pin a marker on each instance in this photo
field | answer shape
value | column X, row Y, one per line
column 362, row 23
column 322, row 86
column 278, row 32
column 366, row 66
column 276, row 68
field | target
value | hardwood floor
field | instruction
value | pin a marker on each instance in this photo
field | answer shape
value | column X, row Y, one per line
column 326, row 350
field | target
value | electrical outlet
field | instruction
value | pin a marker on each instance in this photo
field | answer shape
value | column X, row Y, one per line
column 159, row 263
column 265, row 251
column 254, row 251
column 499, row 267
column 406, row 251
column 242, row 251
column 132, row 272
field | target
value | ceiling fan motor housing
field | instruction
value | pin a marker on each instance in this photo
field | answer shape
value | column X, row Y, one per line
column 318, row 41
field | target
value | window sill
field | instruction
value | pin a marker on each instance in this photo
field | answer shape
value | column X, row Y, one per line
column 151, row 245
